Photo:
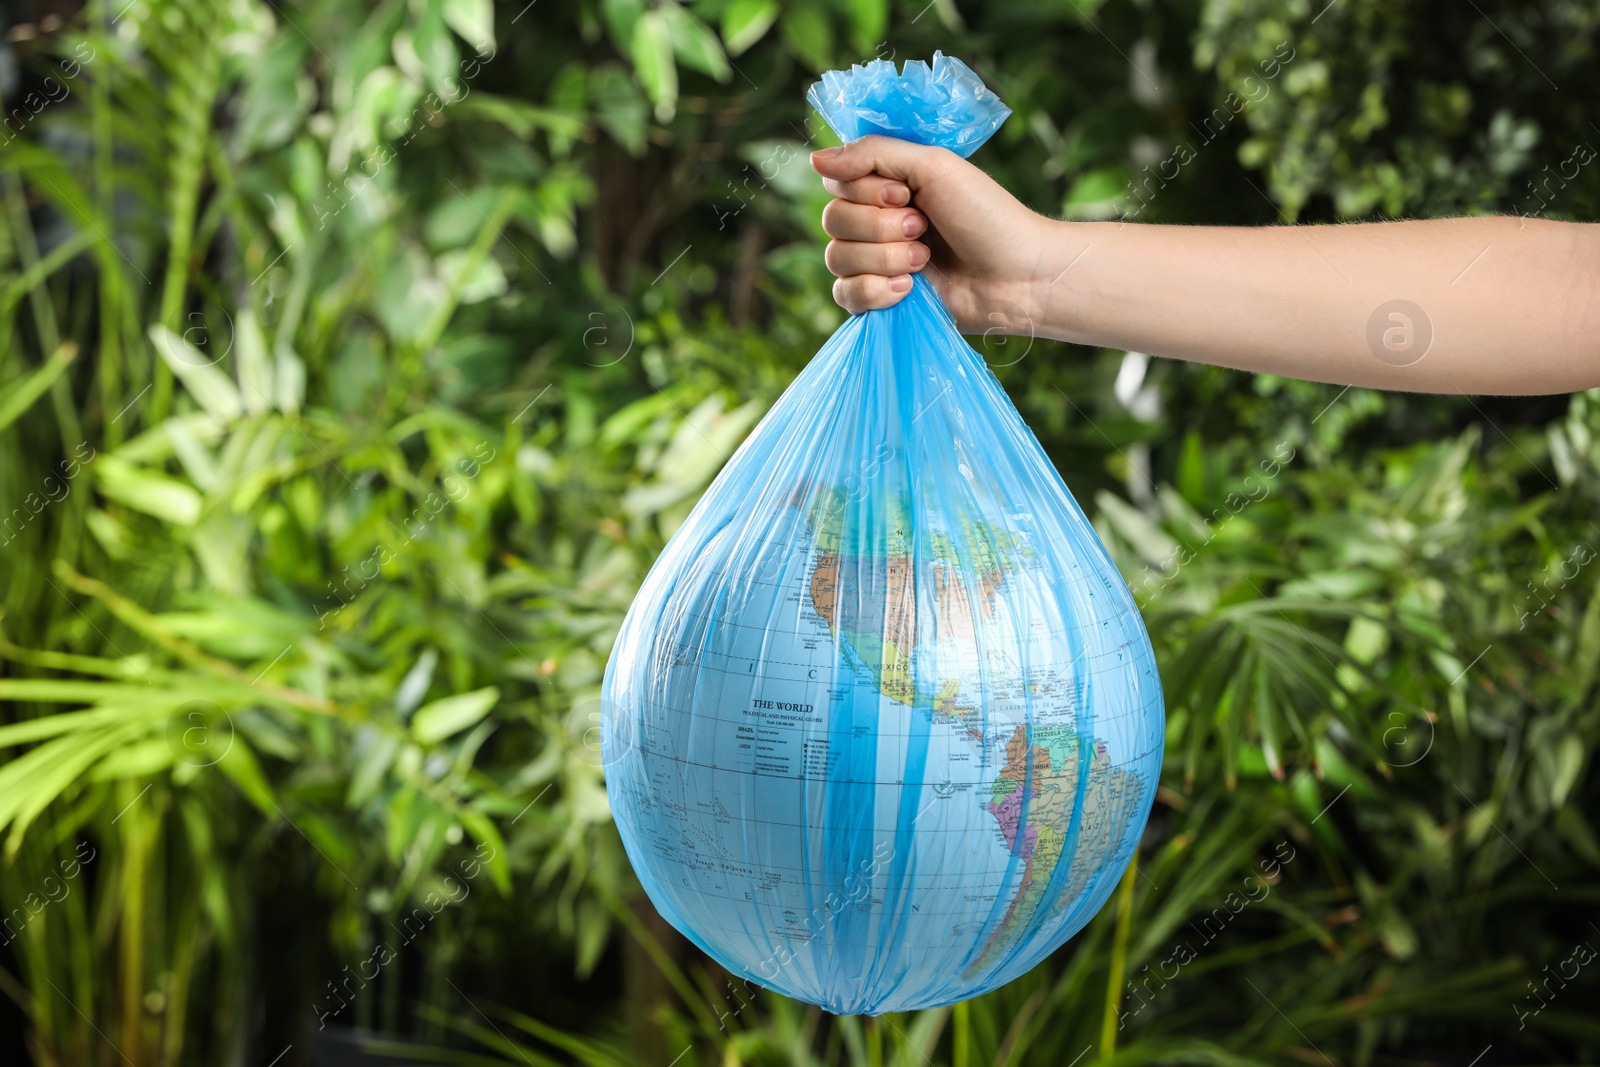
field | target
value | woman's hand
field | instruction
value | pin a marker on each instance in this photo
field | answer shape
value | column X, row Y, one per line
column 1385, row 305
column 904, row 208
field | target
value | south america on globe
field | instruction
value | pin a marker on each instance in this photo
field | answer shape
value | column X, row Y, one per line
column 883, row 726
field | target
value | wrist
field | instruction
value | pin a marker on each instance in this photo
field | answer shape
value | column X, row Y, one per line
column 1058, row 286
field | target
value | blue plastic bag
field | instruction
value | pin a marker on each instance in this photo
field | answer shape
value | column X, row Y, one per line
column 883, row 727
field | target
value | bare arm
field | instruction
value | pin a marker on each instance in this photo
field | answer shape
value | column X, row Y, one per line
column 1470, row 305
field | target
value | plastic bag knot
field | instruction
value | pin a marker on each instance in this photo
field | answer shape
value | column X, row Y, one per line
column 945, row 105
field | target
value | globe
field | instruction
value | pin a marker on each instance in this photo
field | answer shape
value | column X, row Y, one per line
column 874, row 743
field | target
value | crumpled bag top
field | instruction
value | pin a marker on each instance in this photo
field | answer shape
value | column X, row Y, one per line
column 946, row 105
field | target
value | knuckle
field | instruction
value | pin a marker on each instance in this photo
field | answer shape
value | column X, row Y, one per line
column 842, row 189
column 843, row 293
column 832, row 256
column 830, row 217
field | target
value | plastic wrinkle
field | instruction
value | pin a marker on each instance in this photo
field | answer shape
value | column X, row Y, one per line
column 947, row 105
column 882, row 727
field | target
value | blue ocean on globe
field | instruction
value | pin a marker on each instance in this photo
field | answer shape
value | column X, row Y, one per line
column 883, row 725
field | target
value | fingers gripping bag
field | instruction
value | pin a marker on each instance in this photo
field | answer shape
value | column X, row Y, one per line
column 883, row 726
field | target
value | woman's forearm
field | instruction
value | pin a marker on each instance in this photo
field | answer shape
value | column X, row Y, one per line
column 1469, row 305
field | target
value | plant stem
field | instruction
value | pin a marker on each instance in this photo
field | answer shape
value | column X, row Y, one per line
column 109, row 291
column 191, row 96
column 487, row 235
column 17, row 403
column 1119, row 960
column 147, row 625
column 135, row 840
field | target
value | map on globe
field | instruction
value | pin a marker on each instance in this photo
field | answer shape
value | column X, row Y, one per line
column 859, row 674
column 1035, row 799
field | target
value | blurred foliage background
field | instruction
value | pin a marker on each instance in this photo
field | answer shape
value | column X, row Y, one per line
column 358, row 359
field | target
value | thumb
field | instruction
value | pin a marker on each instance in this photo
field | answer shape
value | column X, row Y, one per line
column 914, row 164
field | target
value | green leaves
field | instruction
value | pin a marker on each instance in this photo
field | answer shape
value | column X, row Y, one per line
column 620, row 109
column 869, row 21
column 809, row 34
column 651, row 51
column 620, row 16
column 1097, row 194
column 258, row 386
column 199, row 374
column 33, row 781
column 131, row 731
column 473, row 20
column 661, row 37
column 744, row 22
column 147, row 491
column 20, row 398
column 694, row 44
column 447, row 717
column 277, row 96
